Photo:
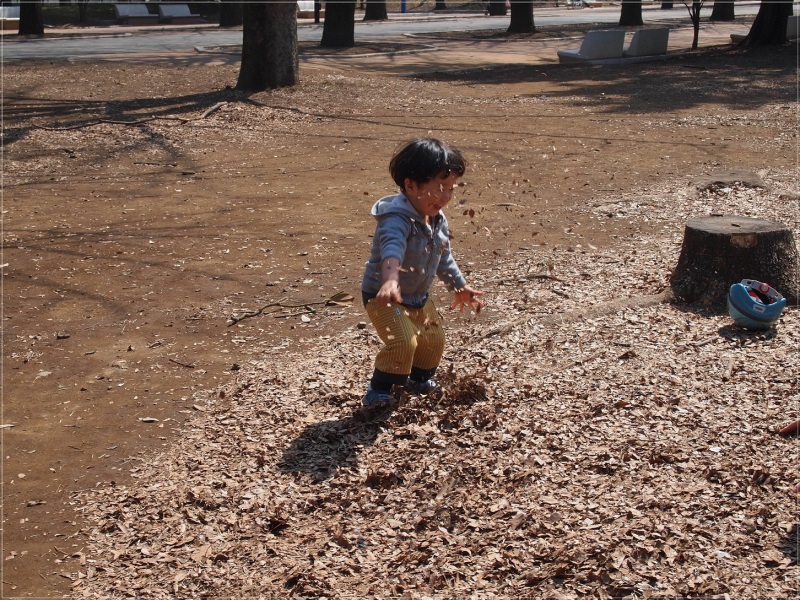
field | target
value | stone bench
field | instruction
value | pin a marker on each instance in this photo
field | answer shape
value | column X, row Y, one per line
column 134, row 14
column 9, row 18
column 648, row 42
column 791, row 30
column 596, row 45
column 177, row 13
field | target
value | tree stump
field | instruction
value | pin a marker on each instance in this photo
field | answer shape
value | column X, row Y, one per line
column 720, row 251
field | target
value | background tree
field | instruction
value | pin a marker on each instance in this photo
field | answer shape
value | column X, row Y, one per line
column 667, row 5
column 722, row 11
column 339, row 29
column 269, row 46
column 497, row 8
column 769, row 26
column 375, row 10
column 521, row 17
column 694, row 14
column 439, row 5
column 231, row 13
column 82, row 11
column 31, row 21
column 631, row 13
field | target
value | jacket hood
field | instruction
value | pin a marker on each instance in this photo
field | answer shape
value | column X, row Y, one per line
column 396, row 204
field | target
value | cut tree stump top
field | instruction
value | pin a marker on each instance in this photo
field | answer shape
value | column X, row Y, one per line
column 734, row 225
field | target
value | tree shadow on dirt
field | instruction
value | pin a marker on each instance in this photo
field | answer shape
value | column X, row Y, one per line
column 737, row 77
column 19, row 110
column 325, row 447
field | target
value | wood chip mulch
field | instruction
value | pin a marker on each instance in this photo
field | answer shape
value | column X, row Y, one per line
column 599, row 443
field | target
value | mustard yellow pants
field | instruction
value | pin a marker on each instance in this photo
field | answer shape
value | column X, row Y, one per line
column 412, row 337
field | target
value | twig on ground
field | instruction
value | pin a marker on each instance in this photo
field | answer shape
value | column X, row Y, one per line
column 182, row 120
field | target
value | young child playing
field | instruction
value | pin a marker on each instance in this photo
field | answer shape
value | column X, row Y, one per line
column 410, row 247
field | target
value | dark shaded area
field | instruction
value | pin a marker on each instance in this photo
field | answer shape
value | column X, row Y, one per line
column 324, row 448
column 735, row 76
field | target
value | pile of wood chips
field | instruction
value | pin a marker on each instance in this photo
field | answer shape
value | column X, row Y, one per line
column 606, row 443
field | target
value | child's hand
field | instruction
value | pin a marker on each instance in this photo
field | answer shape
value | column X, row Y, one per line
column 389, row 292
column 466, row 296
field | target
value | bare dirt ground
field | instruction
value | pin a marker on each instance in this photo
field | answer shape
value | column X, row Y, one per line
column 158, row 444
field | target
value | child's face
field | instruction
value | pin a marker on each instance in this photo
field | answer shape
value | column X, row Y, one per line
column 432, row 196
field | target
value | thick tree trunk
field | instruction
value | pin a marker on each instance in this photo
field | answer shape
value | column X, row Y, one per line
column 439, row 5
column 720, row 251
column 769, row 26
column 521, row 17
column 269, row 46
column 630, row 14
column 231, row 13
column 667, row 5
column 30, row 18
column 339, row 28
column 375, row 11
column 722, row 11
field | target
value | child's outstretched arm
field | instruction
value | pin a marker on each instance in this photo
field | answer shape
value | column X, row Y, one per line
column 390, row 288
column 467, row 296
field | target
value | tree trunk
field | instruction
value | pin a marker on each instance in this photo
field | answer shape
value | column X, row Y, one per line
column 720, row 251
column 338, row 31
column 631, row 13
column 497, row 8
column 694, row 14
column 30, row 18
column 521, row 17
column 375, row 11
column 82, row 12
column 769, row 26
column 269, row 46
column 667, row 5
column 439, row 5
column 231, row 13
column 723, row 11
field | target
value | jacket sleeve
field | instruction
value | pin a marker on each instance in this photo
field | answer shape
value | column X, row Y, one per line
column 392, row 232
column 448, row 270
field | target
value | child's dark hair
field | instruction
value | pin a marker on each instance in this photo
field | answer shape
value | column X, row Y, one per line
column 423, row 159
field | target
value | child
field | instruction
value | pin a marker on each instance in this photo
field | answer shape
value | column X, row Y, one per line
column 410, row 247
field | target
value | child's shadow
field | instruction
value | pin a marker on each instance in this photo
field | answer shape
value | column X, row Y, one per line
column 325, row 447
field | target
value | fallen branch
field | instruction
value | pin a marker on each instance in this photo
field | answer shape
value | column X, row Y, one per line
column 183, row 120
column 338, row 299
column 112, row 122
column 590, row 313
column 254, row 313
column 214, row 108
column 177, row 362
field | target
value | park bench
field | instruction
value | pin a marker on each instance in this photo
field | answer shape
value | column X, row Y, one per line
column 134, row 14
column 9, row 18
column 648, row 42
column 596, row 45
column 177, row 13
column 305, row 9
column 791, row 30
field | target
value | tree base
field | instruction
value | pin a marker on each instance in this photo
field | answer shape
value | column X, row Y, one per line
column 720, row 251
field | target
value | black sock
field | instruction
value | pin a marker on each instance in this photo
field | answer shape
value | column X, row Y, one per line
column 420, row 375
column 380, row 386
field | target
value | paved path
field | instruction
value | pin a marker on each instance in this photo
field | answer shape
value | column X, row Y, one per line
column 194, row 44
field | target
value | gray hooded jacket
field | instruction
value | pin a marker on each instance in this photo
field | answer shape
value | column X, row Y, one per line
column 423, row 251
